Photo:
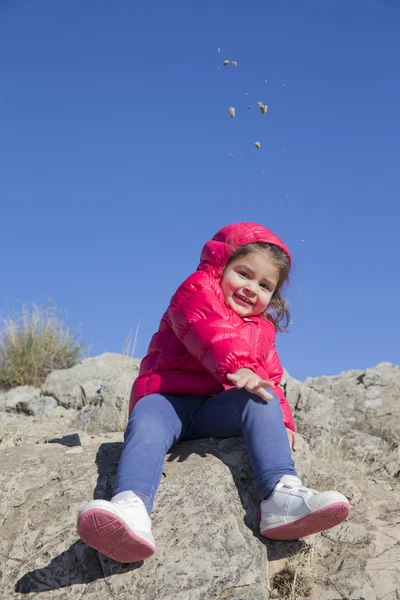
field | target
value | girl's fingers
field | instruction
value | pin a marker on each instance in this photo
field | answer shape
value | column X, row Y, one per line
column 266, row 383
column 263, row 383
column 239, row 380
column 253, row 384
column 292, row 439
column 261, row 386
column 262, row 393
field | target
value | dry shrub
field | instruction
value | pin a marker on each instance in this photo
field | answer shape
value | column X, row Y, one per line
column 297, row 577
column 33, row 344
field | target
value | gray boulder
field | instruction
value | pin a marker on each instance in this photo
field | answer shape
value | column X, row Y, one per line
column 205, row 518
column 17, row 428
column 99, row 387
column 205, row 526
column 29, row 400
column 327, row 408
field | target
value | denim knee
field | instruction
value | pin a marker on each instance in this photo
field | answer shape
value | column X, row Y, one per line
column 258, row 410
column 152, row 421
column 253, row 401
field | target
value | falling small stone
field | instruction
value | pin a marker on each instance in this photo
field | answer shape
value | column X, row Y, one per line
column 283, row 85
column 249, row 107
column 283, row 153
column 230, row 154
column 265, row 80
column 232, row 112
column 226, row 62
column 234, row 63
column 263, row 108
column 302, row 240
column 257, row 145
column 219, row 50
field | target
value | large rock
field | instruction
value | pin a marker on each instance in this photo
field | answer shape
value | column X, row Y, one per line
column 29, row 400
column 18, row 429
column 335, row 406
column 99, row 387
column 205, row 525
column 205, row 518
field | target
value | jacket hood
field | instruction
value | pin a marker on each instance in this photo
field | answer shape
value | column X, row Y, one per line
column 226, row 241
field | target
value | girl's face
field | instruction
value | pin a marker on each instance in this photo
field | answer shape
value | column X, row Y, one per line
column 248, row 284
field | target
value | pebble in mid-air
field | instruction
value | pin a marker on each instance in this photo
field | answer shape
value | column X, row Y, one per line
column 263, row 108
column 232, row 112
column 226, row 62
column 257, row 145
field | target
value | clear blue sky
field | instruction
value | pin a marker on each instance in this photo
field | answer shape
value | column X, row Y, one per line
column 115, row 161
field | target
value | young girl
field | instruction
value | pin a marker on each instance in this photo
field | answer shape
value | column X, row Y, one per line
column 206, row 374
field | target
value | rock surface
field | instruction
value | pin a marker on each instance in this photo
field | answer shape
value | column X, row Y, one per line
column 29, row 400
column 205, row 549
column 366, row 401
column 205, row 517
column 99, row 387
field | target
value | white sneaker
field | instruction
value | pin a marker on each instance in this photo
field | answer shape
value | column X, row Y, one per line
column 294, row 511
column 120, row 529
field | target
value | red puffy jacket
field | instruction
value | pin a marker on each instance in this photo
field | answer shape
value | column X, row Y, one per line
column 200, row 339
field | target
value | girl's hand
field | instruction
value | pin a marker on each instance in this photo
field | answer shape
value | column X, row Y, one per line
column 292, row 439
column 246, row 378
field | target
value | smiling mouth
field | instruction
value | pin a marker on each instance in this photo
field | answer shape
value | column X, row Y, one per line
column 243, row 299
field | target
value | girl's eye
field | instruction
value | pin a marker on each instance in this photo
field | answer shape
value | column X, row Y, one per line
column 265, row 286
column 243, row 273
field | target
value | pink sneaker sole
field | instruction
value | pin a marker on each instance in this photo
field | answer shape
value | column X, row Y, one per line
column 319, row 520
column 108, row 534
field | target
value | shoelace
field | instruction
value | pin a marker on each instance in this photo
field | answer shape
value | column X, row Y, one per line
column 300, row 489
column 133, row 502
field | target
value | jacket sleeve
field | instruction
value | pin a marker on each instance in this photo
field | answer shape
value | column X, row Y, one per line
column 275, row 373
column 202, row 322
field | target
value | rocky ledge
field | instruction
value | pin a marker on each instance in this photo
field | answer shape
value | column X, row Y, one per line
column 60, row 447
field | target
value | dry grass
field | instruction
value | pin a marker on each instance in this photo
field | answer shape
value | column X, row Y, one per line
column 332, row 450
column 128, row 350
column 33, row 344
column 296, row 579
column 131, row 341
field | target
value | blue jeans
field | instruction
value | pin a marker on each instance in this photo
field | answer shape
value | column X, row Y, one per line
column 157, row 422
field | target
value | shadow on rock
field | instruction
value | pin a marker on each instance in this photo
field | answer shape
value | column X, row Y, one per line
column 107, row 460
column 77, row 565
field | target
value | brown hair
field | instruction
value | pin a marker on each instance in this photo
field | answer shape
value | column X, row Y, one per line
column 278, row 309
